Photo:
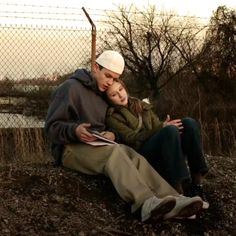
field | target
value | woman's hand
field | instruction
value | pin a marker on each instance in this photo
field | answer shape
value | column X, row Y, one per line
column 177, row 122
column 109, row 135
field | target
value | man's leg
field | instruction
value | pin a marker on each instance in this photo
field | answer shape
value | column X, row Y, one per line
column 132, row 176
column 134, row 179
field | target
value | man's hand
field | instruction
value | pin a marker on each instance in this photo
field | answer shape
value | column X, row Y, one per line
column 176, row 122
column 109, row 135
column 83, row 134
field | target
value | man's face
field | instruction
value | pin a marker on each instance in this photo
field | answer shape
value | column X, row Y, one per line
column 104, row 78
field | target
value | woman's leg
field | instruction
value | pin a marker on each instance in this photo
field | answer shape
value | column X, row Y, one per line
column 192, row 148
column 164, row 152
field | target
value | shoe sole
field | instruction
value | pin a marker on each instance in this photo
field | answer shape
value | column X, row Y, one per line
column 163, row 208
column 193, row 217
column 190, row 210
column 205, row 205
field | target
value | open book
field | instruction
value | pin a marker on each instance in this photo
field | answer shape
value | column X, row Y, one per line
column 101, row 140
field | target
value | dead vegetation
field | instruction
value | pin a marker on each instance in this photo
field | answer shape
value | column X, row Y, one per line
column 22, row 144
column 40, row 199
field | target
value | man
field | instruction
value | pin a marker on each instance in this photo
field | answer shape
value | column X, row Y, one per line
column 76, row 107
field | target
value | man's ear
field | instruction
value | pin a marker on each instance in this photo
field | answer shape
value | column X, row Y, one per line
column 96, row 67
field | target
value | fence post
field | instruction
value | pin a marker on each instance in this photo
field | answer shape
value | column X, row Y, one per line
column 93, row 46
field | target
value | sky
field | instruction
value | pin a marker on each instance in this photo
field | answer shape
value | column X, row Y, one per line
column 199, row 8
column 29, row 53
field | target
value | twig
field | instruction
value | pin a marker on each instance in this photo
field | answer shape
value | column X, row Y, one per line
column 116, row 231
column 104, row 231
column 119, row 217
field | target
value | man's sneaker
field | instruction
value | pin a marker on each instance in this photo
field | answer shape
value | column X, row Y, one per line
column 197, row 190
column 156, row 208
column 185, row 207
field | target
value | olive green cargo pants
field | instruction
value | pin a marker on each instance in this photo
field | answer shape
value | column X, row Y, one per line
column 132, row 176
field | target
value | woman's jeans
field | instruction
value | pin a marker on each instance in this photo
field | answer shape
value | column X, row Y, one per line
column 174, row 154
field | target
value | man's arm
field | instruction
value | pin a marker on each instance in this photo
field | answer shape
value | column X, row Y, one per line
column 59, row 125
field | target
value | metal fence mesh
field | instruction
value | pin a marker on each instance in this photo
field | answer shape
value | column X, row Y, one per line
column 31, row 60
column 34, row 58
column 39, row 47
column 28, row 53
column 47, row 44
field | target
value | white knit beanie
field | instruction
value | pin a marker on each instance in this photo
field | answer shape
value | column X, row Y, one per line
column 112, row 61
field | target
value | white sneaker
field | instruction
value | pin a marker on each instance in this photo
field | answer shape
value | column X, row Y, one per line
column 156, row 208
column 185, row 207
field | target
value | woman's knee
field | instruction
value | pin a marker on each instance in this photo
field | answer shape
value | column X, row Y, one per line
column 170, row 130
column 190, row 123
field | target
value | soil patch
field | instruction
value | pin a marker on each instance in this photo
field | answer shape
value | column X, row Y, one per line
column 40, row 199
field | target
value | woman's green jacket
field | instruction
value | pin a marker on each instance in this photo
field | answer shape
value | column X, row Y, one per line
column 125, row 123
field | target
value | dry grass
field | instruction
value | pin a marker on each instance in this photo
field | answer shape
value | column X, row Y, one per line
column 22, row 144
column 219, row 138
column 216, row 115
column 31, row 145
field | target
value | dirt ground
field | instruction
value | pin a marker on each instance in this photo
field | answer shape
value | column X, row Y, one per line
column 40, row 199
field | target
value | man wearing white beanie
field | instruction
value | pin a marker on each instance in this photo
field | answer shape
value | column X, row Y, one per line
column 77, row 106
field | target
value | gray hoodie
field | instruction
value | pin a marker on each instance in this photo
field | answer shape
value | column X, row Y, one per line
column 77, row 100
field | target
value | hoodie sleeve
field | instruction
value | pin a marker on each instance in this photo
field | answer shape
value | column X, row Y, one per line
column 59, row 126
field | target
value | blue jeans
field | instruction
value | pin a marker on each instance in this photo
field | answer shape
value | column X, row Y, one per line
column 174, row 154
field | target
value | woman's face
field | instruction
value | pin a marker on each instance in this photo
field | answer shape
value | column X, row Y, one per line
column 117, row 94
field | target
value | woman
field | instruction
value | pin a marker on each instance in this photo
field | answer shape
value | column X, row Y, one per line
column 166, row 145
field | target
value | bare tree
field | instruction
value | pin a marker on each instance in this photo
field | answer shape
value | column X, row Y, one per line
column 219, row 51
column 155, row 46
column 218, row 57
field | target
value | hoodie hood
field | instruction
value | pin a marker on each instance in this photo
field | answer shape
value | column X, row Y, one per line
column 85, row 77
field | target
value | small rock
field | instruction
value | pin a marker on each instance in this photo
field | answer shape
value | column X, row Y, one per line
column 81, row 233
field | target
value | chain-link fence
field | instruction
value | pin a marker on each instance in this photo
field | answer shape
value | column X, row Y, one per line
column 34, row 59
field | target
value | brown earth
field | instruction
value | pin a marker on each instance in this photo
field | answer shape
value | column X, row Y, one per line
column 40, row 199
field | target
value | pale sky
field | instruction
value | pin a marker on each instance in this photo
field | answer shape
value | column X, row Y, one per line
column 26, row 52
column 199, row 8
